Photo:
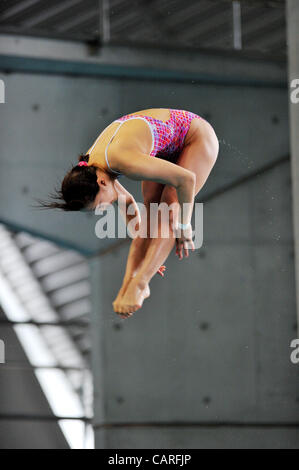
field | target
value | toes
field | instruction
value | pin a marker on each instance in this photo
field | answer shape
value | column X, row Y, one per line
column 118, row 309
column 132, row 309
column 125, row 311
column 123, row 314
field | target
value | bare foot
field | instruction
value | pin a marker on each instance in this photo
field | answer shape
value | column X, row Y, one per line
column 147, row 292
column 132, row 299
column 126, row 283
column 121, row 292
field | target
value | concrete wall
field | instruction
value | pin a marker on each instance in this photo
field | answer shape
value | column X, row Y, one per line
column 48, row 120
column 211, row 345
column 212, row 342
column 22, row 401
column 293, row 46
column 200, row 437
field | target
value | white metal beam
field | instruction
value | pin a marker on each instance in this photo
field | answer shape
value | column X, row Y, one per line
column 237, row 25
column 17, row 9
column 105, row 21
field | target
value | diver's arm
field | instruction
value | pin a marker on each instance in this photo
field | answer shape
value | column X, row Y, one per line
column 139, row 166
column 126, row 201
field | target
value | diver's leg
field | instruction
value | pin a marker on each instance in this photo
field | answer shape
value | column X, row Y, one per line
column 198, row 156
column 151, row 194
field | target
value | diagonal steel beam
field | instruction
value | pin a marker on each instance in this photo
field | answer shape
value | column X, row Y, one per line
column 264, row 32
column 129, row 21
column 48, row 13
column 150, row 19
column 47, row 33
column 279, row 47
column 160, row 24
column 269, row 41
column 210, row 32
column 17, row 9
column 77, row 20
column 205, row 23
column 255, row 18
column 181, row 17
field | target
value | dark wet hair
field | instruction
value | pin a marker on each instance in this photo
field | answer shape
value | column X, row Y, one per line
column 78, row 188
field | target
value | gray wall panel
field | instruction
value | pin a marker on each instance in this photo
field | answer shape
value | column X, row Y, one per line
column 199, row 438
column 48, row 120
column 292, row 14
column 251, row 123
column 30, row 435
column 39, row 145
column 21, row 394
column 212, row 343
column 196, row 365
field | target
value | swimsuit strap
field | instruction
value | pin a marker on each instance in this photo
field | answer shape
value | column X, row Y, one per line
column 106, row 149
column 106, row 157
column 143, row 118
column 114, row 134
column 91, row 149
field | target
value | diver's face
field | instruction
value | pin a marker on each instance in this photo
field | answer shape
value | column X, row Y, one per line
column 106, row 194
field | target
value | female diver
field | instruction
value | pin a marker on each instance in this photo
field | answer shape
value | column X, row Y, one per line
column 185, row 148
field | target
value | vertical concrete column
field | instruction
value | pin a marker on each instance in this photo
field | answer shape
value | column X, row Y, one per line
column 292, row 11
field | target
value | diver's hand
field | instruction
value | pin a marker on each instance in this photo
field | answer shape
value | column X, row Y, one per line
column 184, row 241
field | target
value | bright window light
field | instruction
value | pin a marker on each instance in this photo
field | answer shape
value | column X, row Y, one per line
column 58, row 390
column 13, row 308
column 34, row 345
column 60, row 395
column 77, row 432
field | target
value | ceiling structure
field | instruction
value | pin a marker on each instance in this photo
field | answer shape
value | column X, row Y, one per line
column 52, row 286
column 246, row 25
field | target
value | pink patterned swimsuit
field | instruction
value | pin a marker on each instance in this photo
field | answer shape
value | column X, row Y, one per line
column 168, row 137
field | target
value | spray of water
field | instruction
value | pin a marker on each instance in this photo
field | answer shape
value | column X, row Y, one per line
column 235, row 152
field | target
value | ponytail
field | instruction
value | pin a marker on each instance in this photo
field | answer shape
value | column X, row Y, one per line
column 78, row 188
